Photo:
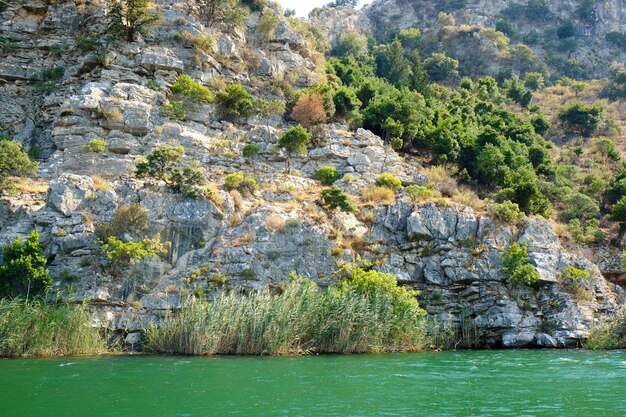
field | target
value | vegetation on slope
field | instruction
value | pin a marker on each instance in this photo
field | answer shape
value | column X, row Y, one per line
column 366, row 312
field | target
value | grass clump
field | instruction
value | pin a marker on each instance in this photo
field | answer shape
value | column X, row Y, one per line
column 36, row 328
column 367, row 312
column 382, row 195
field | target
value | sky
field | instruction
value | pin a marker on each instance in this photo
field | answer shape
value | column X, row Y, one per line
column 304, row 6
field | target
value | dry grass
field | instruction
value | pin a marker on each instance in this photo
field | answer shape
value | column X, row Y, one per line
column 444, row 182
column 29, row 185
column 101, row 184
column 274, row 222
column 243, row 240
column 467, row 197
column 378, row 195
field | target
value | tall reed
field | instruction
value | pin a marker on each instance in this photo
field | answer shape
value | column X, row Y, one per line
column 36, row 328
column 611, row 334
column 303, row 319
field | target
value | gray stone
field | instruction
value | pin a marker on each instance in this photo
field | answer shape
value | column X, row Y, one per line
column 518, row 339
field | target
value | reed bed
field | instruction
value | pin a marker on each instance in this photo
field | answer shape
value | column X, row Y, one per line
column 36, row 328
column 610, row 334
column 349, row 318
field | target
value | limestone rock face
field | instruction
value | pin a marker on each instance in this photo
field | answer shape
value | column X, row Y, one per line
column 248, row 239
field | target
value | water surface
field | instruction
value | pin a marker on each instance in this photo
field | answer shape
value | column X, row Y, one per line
column 486, row 383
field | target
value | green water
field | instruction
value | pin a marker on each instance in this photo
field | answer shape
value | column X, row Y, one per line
column 499, row 383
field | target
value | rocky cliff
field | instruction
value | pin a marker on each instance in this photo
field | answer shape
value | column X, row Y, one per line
column 450, row 252
column 588, row 47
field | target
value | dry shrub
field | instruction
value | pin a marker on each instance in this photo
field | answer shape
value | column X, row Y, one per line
column 309, row 110
column 379, row 195
column 100, row 183
column 442, row 179
column 113, row 114
column 243, row 240
column 237, row 219
column 274, row 222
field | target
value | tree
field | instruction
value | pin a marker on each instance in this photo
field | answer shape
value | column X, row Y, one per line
column 351, row 43
column 162, row 164
column 294, row 141
column 14, row 161
column 309, row 110
column 579, row 117
column 441, row 68
column 392, row 64
column 23, row 271
column 211, row 11
column 515, row 91
column 129, row 17
column 419, row 75
column 250, row 151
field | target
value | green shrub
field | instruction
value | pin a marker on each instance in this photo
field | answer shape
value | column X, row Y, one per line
column 49, row 79
column 517, row 267
column 97, row 146
column 241, row 182
column 367, row 312
column 236, row 100
column 418, row 192
column 388, row 180
column 121, row 253
column 334, row 197
column 507, row 211
column 162, row 164
column 190, row 181
column 250, row 151
column 35, row 328
column 175, row 109
column 327, row 175
column 23, row 271
column 574, row 274
column 195, row 92
column 581, row 118
column 608, row 148
column 14, row 161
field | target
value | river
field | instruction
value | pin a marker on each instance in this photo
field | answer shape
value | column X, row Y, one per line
column 482, row 383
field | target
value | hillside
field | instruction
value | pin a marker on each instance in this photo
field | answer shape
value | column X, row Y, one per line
column 164, row 172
